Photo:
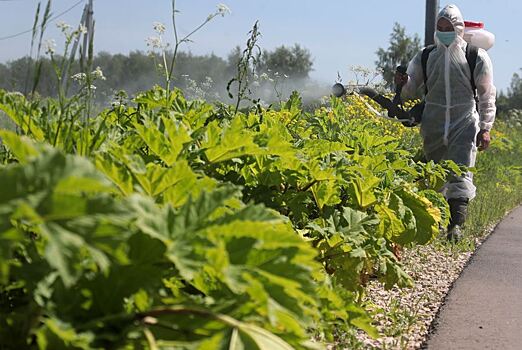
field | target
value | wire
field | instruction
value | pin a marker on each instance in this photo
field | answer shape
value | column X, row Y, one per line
column 50, row 20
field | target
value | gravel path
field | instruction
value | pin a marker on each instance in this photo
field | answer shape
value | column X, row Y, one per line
column 405, row 316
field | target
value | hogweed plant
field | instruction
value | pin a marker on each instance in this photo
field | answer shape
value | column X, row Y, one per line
column 68, row 114
column 79, row 105
column 61, row 63
column 246, row 68
column 157, row 43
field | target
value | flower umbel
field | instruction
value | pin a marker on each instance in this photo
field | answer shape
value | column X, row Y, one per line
column 98, row 74
column 82, row 29
column 159, row 27
column 79, row 77
column 155, row 42
column 223, row 10
column 64, row 27
column 50, row 46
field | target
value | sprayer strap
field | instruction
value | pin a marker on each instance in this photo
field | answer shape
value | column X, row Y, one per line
column 424, row 61
column 471, row 58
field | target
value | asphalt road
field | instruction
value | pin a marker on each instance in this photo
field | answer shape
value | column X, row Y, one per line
column 483, row 310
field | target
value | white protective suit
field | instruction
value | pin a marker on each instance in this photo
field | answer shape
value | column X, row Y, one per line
column 450, row 121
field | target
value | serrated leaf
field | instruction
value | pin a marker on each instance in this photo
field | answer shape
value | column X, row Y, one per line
column 427, row 218
column 21, row 146
column 263, row 339
column 24, row 121
column 230, row 142
column 390, row 225
column 362, row 191
column 168, row 144
column 55, row 334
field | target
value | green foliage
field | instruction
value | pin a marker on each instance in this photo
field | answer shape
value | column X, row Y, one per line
column 401, row 50
column 498, row 176
column 191, row 226
column 513, row 98
column 102, row 268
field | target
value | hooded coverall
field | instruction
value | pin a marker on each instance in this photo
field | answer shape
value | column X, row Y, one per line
column 450, row 121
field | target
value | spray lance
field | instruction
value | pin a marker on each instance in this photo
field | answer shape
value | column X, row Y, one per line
column 394, row 107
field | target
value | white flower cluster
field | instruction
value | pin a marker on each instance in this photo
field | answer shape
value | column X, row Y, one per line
column 82, row 29
column 155, row 42
column 69, row 34
column 79, row 77
column 50, row 46
column 159, row 27
column 264, row 76
column 15, row 93
column 98, row 74
column 223, row 10
column 208, row 83
column 64, row 27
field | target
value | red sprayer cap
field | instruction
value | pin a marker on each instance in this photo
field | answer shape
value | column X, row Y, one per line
column 474, row 25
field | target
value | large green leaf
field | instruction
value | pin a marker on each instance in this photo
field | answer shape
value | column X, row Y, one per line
column 254, row 337
column 427, row 218
column 390, row 224
column 166, row 144
column 363, row 191
column 22, row 147
column 48, row 194
column 15, row 108
column 230, row 142
column 55, row 334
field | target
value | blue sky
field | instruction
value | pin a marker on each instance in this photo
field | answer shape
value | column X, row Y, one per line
column 338, row 33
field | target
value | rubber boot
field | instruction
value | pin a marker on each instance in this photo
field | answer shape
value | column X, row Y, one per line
column 458, row 212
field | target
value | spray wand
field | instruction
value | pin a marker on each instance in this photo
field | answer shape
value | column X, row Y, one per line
column 394, row 107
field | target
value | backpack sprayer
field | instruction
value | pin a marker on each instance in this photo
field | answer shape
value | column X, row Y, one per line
column 474, row 34
column 394, row 107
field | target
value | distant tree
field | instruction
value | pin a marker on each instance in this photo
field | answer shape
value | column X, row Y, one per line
column 295, row 62
column 401, row 50
column 233, row 59
column 16, row 74
column 514, row 93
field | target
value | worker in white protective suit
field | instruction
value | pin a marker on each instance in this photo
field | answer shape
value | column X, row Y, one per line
column 451, row 126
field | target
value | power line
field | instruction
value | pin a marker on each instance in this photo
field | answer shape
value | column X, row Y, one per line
column 50, row 19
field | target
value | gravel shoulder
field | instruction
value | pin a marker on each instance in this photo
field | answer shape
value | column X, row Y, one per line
column 484, row 308
column 406, row 316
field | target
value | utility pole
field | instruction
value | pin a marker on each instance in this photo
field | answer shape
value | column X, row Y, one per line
column 432, row 7
column 89, row 36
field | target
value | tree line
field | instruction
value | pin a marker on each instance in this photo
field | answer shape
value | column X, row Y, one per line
column 204, row 76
